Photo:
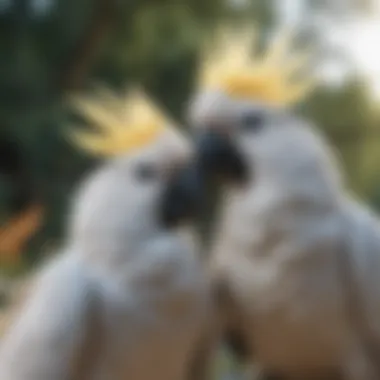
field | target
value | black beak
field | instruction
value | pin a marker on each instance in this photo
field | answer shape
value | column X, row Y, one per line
column 183, row 197
column 188, row 191
column 219, row 159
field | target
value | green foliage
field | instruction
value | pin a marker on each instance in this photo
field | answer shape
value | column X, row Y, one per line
column 79, row 43
column 348, row 117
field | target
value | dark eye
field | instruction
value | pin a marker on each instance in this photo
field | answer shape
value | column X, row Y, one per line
column 252, row 122
column 146, row 172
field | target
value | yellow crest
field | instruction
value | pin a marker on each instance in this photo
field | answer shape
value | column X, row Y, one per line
column 273, row 77
column 125, row 123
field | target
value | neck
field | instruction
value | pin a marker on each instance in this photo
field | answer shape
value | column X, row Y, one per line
column 115, row 259
column 308, row 193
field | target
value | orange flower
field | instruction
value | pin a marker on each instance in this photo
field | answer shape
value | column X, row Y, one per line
column 16, row 233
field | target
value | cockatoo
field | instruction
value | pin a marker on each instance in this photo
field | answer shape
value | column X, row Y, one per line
column 127, row 297
column 295, row 257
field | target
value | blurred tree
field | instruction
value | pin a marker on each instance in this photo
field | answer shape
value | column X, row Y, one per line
column 50, row 48
column 346, row 115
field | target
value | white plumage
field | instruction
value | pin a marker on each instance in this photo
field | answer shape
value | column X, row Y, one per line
column 299, row 257
column 126, row 298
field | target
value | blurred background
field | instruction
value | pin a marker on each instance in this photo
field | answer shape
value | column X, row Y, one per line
column 51, row 48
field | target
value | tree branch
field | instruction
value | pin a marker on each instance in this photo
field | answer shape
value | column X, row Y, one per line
column 87, row 49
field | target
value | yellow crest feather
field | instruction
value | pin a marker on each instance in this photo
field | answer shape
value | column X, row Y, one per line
column 274, row 77
column 124, row 123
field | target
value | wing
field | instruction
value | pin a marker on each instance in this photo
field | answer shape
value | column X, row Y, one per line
column 51, row 334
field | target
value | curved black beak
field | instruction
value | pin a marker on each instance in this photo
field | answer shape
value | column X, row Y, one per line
column 216, row 160
column 219, row 159
column 183, row 197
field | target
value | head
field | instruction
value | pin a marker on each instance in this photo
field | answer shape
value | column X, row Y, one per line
column 145, row 189
column 256, row 141
column 243, row 120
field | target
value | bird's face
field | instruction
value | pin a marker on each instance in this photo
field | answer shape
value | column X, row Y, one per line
column 154, row 189
column 245, row 141
column 164, row 181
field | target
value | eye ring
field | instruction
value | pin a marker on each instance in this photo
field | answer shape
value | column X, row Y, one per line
column 145, row 172
column 252, row 122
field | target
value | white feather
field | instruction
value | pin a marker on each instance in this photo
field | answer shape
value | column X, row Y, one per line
column 127, row 293
column 287, row 246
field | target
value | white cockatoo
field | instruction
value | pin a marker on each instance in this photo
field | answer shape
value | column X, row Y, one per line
column 296, row 259
column 127, row 297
